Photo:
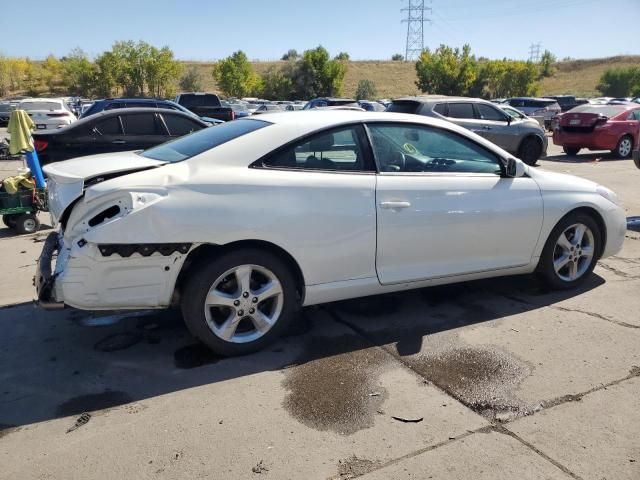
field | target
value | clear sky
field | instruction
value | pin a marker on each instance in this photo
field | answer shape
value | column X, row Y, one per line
column 366, row 29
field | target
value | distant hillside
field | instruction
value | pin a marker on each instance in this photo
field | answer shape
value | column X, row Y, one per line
column 394, row 79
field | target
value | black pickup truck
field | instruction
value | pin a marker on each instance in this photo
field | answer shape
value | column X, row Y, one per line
column 205, row 105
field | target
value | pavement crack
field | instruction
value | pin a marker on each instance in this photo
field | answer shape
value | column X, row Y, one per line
column 503, row 430
column 594, row 315
column 618, row 272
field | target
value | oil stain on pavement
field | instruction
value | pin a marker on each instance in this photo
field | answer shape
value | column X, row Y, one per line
column 92, row 402
column 331, row 385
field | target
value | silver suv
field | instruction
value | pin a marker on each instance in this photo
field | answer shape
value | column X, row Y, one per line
column 523, row 137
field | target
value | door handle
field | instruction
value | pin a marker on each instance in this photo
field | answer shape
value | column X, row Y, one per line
column 394, row 205
column 119, row 142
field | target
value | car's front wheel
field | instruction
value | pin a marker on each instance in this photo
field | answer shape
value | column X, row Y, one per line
column 571, row 251
column 624, row 147
column 240, row 302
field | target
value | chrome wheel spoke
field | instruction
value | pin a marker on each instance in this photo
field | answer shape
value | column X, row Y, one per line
column 561, row 262
column 579, row 233
column 243, row 277
column 573, row 270
column 564, row 242
column 262, row 322
column 216, row 298
column 269, row 290
column 228, row 329
column 587, row 251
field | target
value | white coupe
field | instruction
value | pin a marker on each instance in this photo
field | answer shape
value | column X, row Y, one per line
column 244, row 223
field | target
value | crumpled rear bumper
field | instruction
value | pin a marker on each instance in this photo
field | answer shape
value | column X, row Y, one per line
column 45, row 278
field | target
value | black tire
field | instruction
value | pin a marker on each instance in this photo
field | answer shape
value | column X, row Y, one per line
column 530, row 150
column 27, row 223
column 546, row 269
column 201, row 281
column 573, row 151
column 10, row 219
column 624, row 147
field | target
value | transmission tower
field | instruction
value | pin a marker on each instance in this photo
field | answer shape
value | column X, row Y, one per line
column 415, row 27
column 534, row 52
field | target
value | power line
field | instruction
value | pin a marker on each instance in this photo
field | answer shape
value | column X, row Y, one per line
column 534, row 52
column 415, row 27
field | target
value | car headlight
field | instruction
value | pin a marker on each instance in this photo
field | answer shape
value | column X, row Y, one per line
column 608, row 194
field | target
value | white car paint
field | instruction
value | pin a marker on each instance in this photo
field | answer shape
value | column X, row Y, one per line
column 456, row 226
column 47, row 113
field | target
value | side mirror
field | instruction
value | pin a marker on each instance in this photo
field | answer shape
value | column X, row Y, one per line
column 515, row 168
column 509, row 119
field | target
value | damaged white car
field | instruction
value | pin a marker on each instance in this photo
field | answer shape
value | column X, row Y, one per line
column 244, row 223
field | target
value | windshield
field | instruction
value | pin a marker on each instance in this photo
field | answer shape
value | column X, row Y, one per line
column 40, row 106
column 207, row 100
column 203, row 140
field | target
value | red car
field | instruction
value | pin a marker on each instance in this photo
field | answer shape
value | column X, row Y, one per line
column 599, row 127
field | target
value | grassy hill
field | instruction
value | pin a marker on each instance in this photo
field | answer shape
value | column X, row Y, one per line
column 394, row 79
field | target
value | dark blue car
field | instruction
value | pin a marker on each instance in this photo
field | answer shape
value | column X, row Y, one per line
column 112, row 103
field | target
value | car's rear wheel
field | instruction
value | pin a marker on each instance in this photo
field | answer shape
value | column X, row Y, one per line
column 573, row 151
column 240, row 302
column 571, row 251
column 624, row 147
column 530, row 150
column 10, row 220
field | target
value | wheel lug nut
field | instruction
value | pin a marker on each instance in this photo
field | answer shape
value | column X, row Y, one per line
column 240, row 313
column 236, row 303
column 245, row 294
column 252, row 310
column 255, row 300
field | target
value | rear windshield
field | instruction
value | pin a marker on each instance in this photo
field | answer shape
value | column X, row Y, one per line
column 606, row 111
column 203, row 140
column 403, row 107
column 199, row 101
column 40, row 106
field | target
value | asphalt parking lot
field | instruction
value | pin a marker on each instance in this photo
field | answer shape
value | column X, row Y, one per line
column 495, row 379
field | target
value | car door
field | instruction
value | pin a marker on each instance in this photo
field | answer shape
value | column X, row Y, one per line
column 142, row 131
column 92, row 138
column 320, row 190
column 497, row 127
column 443, row 207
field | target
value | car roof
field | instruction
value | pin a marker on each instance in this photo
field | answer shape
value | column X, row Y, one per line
column 435, row 98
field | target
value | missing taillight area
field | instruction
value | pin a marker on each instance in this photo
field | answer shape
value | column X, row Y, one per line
column 104, row 215
column 40, row 145
column 144, row 249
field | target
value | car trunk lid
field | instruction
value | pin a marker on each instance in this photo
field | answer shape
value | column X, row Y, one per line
column 68, row 180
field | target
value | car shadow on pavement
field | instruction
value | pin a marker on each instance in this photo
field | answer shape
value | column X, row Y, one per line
column 60, row 363
column 585, row 157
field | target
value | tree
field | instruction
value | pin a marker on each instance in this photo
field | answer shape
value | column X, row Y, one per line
column 397, row 57
column 343, row 57
column 78, row 73
column 292, row 54
column 547, row 64
column 161, row 71
column 111, row 73
column 366, row 90
column 315, row 75
column 276, row 85
column 620, row 82
column 191, row 81
column 50, row 71
column 235, row 76
column 446, row 71
column 505, row 78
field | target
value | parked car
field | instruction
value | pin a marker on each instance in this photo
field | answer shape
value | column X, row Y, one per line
column 329, row 102
column 5, row 112
column 371, row 106
column 268, row 108
column 566, row 102
column 113, row 103
column 294, row 107
column 514, row 112
column 244, row 223
column 240, row 110
column 522, row 137
column 114, row 131
column 600, row 100
column 599, row 127
column 47, row 113
column 537, row 107
column 205, row 105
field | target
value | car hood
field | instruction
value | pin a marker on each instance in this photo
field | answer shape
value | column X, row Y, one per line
column 551, row 181
column 67, row 180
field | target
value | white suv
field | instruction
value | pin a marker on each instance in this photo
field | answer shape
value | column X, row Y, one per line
column 48, row 113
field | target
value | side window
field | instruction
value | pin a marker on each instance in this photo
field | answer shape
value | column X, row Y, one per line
column 338, row 149
column 514, row 102
column 417, row 148
column 110, row 126
column 634, row 115
column 140, row 124
column 179, row 126
column 441, row 108
column 460, row 110
column 487, row 112
column 113, row 106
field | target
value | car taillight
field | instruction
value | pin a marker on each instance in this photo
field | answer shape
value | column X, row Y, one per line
column 40, row 145
column 233, row 115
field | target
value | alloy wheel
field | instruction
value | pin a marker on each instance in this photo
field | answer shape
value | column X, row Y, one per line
column 624, row 149
column 573, row 252
column 244, row 303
